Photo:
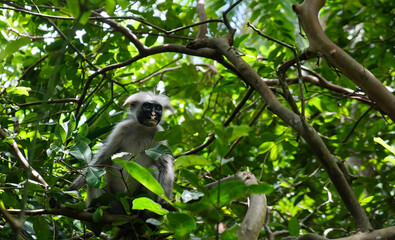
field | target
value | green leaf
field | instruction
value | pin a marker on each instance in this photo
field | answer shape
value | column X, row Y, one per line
column 74, row 7
column 262, row 188
column 97, row 215
column 60, row 133
column 93, row 176
column 390, row 159
column 191, row 160
column 41, row 228
column 142, row 175
column 367, row 200
column 144, row 203
column 150, row 40
column 83, row 129
column 264, row 147
column 85, row 17
column 181, row 224
column 240, row 40
column 3, row 24
column 192, row 178
column 110, row 7
column 125, row 201
column 13, row 46
column 239, row 131
column 156, row 152
column 384, row 144
column 293, row 227
column 22, row 91
column 229, row 191
column 81, row 151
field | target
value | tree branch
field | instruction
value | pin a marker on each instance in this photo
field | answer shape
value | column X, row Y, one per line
column 76, row 214
column 319, row 42
column 300, row 126
column 257, row 209
column 202, row 17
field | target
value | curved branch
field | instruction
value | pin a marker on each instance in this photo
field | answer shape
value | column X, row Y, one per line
column 382, row 234
column 125, row 31
column 299, row 125
column 337, row 57
column 257, row 209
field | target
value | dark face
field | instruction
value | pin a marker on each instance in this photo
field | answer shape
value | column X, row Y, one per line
column 150, row 114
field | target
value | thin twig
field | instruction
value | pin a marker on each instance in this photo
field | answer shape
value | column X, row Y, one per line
column 227, row 24
column 281, row 73
column 356, row 124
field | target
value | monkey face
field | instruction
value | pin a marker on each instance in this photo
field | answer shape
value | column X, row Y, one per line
column 150, row 114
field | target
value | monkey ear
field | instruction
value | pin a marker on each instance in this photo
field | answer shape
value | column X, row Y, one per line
column 133, row 99
column 170, row 107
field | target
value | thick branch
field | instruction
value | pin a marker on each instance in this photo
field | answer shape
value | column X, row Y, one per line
column 382, row 234
column 337, row 57
column 257, row 209
column 125, row 31
column 76, row 214
column 299, row 125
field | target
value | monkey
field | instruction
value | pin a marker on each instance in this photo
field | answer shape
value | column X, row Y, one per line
column 133, row 135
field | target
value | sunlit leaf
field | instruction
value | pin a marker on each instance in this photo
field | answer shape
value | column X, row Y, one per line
column 13, row 46
column 81, row 151
column 191, row 160
column 384, row 144
column 110, row 6
column 144, row 203
column 266, row 146
column 61, row 133
column 23, row 91
column 143, row 176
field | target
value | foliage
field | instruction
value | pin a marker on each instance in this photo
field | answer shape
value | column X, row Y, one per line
column 58, row 110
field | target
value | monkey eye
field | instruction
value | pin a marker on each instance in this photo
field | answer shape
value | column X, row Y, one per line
column 147, row 106
column 158, row 107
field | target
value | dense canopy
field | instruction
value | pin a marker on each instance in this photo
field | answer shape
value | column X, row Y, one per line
column 283, row 122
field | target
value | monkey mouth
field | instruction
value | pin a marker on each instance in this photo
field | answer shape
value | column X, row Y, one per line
column 152, row 122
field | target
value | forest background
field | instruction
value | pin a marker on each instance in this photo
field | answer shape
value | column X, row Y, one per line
column 296, row 110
